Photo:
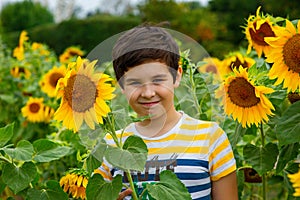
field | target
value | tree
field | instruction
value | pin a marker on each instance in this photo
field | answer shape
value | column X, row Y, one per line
column 160, row 10
column 23, row 15
column 282, row 8
column 234, row 14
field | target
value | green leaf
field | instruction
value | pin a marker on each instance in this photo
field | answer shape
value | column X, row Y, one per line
column 53, row 191
column 288, row 125
column 133, row 156
column 6, row 133
column 18, row 178
column 169, row 187
column 23, row 151
column 95, row 158
column 99, row 150
column 262, row 159
column 8, row 98
column 47, row 150
column 2, row 185
column 89, row 138
column 287, row 153
column 98, row 188
column 92, row 163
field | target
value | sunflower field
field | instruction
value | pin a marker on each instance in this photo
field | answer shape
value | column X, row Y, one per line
column 56, row 110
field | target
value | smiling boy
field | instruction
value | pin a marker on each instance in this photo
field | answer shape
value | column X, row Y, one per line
column 145, row 61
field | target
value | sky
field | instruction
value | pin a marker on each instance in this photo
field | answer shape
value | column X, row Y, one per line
column 87, row 6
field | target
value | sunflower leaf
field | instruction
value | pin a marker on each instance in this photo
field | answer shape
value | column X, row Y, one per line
column 262, row 159
column 47, row 150
column 92, row 163
column 53, row 191
column 287, row 153
column 99, row 151
column 18, row 178
column 288, row 125
column 23, row 151
column 169, row 187
column 6, row 133
column 133, row 156
column 89, row 137
column 98, row 188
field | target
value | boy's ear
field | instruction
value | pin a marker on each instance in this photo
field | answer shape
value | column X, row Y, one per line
column 178, row 77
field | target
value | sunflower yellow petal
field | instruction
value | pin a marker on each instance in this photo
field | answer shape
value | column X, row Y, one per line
column 290, row 27
column 89, row 120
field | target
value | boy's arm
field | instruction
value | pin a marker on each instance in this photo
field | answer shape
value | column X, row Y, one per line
column 225, row 188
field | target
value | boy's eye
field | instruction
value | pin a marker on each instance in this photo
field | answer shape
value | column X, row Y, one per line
column 158, row 80
column 134, row 83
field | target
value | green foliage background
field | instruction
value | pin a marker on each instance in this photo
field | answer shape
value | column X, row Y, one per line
column 36, row 155
column 216, row 26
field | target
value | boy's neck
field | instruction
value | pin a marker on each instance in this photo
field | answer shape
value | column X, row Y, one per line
column 155, row 127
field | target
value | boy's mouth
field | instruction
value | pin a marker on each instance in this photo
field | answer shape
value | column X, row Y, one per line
column 149, row 104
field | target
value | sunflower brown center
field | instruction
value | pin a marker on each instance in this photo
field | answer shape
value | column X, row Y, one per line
column 74, row 53
column 258, row 36
column 54, row 79
column 80, row 93
column 34, row 107
column 294, row 97
column 242, row 93
column 291, row 53
column 211, row 68
column 21, row 70
column 238, row 63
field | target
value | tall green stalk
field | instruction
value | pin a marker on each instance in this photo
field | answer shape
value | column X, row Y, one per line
column 134, row 195
column 118, row 142
column 264, row 177
column 193, row 90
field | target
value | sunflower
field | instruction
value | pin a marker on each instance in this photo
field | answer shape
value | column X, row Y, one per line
column 50, row 79
column 17, row 72
column 235, row 60
column 74, row 183
column 19, row 50
column 211, row 65
column 246, row 102
column 258, row 28
column 34, row 110
column 295, row 180
column 83, row 94
column 40, row 48
column 285, row 56
column 70, row 53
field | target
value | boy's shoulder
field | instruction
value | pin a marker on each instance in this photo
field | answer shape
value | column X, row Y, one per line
column 187, row 119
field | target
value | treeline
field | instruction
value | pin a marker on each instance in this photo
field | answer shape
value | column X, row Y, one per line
column 217, row 26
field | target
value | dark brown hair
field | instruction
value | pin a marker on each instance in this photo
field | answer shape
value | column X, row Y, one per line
column 144, row 44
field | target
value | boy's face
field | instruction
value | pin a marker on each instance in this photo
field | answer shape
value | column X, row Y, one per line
column 149, row 89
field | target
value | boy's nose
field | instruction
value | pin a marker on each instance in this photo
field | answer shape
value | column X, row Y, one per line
column 147, row 91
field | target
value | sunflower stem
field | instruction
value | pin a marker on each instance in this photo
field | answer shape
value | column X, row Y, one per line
column 262, row 135
column 134, row 195
column 193, row 88
column 5, row 159
column 112, row 131
column 264, row 177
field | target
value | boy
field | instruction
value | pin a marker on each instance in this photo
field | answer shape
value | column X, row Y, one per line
column 145, row 61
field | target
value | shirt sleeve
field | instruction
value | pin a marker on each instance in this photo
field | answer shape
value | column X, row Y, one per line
column 104, row 171
column 221, row 158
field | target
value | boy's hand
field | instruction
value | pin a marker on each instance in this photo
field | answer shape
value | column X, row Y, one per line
column 124, row 194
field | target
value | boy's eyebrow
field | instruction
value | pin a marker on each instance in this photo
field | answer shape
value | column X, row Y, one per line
column 131, row 79
column 153, row 77
column 160, row 76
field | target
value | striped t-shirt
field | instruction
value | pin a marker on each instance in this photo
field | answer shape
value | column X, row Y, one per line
column 197, row 151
